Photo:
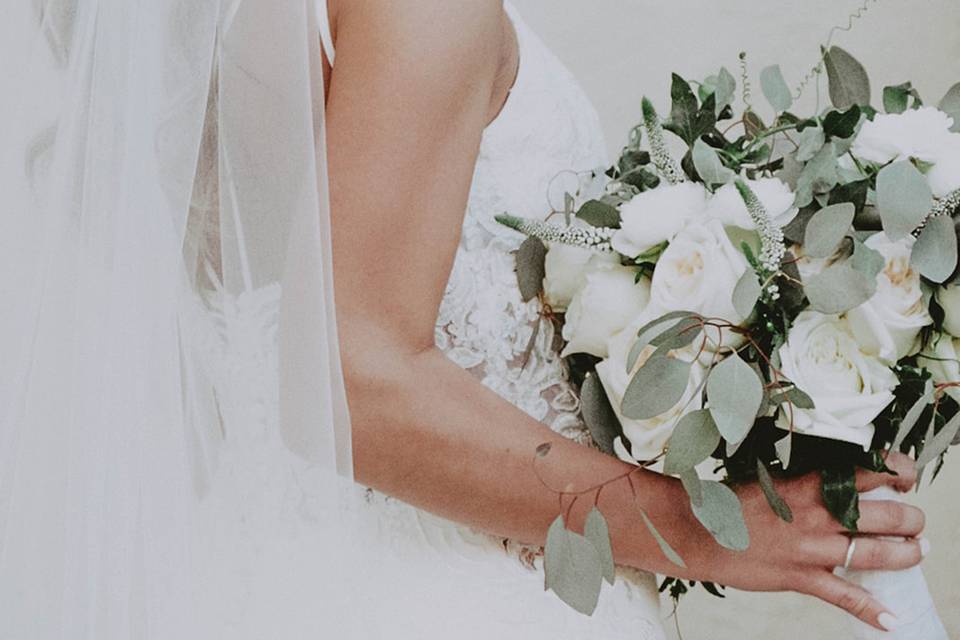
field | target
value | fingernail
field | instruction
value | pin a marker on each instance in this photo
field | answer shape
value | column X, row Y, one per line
column 924, row 547
column 888, row 621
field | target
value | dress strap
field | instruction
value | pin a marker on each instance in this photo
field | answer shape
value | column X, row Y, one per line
column 323, row 23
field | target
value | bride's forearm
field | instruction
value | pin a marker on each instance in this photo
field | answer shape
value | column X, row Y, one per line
column 429, row 433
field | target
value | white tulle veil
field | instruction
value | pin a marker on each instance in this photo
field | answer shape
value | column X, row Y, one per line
column 165, row 225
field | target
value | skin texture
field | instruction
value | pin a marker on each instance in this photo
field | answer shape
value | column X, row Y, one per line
column 415, row 84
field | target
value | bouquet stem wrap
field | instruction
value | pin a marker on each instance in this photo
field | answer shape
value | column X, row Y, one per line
column 904, row 593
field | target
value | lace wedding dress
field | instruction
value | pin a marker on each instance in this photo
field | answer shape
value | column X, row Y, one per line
column 434, row 578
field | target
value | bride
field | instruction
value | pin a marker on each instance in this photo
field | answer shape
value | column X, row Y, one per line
column 166, row 468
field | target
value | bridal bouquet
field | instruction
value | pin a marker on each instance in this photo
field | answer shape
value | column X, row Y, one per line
column 780, row 301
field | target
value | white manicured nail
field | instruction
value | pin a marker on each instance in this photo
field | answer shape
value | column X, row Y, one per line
column 888, row 621
column 924, row 547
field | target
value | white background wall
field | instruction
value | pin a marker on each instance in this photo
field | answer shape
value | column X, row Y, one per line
column 623, row 49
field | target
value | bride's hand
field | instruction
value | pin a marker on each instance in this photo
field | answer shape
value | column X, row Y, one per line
column 802, row 555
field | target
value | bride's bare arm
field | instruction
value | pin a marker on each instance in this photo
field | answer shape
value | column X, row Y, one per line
column 412, row 91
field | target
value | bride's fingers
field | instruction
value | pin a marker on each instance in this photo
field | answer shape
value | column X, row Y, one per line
column 884, row 517
column 868, row 553
column 852, row 599
column 903, row 481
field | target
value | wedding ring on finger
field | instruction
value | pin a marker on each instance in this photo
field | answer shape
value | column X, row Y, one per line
column 851, row 549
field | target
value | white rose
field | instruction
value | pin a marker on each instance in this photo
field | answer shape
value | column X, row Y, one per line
column 647, row 438
column 655, row 216
column 849, row 388
column 949, row 299
column 609, row 301
column 698, row 272
column 728, row 207
column 942, row 360
column 566, row 267
column 915, row 133
column 887, row 325
column 944, row 177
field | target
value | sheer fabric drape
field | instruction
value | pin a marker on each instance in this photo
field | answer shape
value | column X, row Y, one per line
column 162, row 162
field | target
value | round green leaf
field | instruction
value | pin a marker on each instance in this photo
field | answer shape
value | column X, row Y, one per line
column 734, row 394
column 746, row 293
column 530, row 267
column 950, row 104
column 694, row 439
column 848, row 81
column 656, row 387
column 827, row 228
column 598, row 414
column 935, row 252
column 572, row 568
column 595, row 530
column 903, row 198
column 839, row 288
column 722, row 514
column 775, row 88
column 708, row 165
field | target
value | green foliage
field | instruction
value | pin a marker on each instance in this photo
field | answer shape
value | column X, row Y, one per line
column 774, row 499
column 598, row 414
column 657, row 386
column 694, row 439
column 775, row 88
column 572, row 567
column 599, row 214
column 688, row 118
column 935, row 251
column 722, row 515
column 746, row 293
column 734, row 394
column 848, row 81
column 839, row 490
column 896, row 99
column 665, row 547
column 950, row 104
column 826, row 229
column 530, row 267
column 903, row 198
column 595, row 530
column 709, row 166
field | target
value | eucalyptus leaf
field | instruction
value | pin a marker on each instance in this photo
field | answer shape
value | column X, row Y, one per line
column 680, row 335
column 841, row 124
column 726, row 88
column 819, row 175
column 839, row 490
column 936, row 446
column 848, row 81
column 599, row 214
column 896, row 99
column 665, row 547
column 867, row 260
column 774, row 499
column 838, row 289
column 708, row 165
column 935, row 251
column 811, row 140
column 598, row 415
column 910, row 419
column 784, row 448
column 572, row 568
column 722, row 515
column 775, row 88
column 903, row 198
column 795, row 396
column 827, row 228
column 595, row 530
column 693, row 486
column 656, row 387
column 530, row 267
column 693, row 440
column 734, row 394
column 658, row 325
column 950, row 104
column 746, row 293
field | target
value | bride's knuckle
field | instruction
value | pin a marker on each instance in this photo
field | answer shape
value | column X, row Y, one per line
column 854, row 603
